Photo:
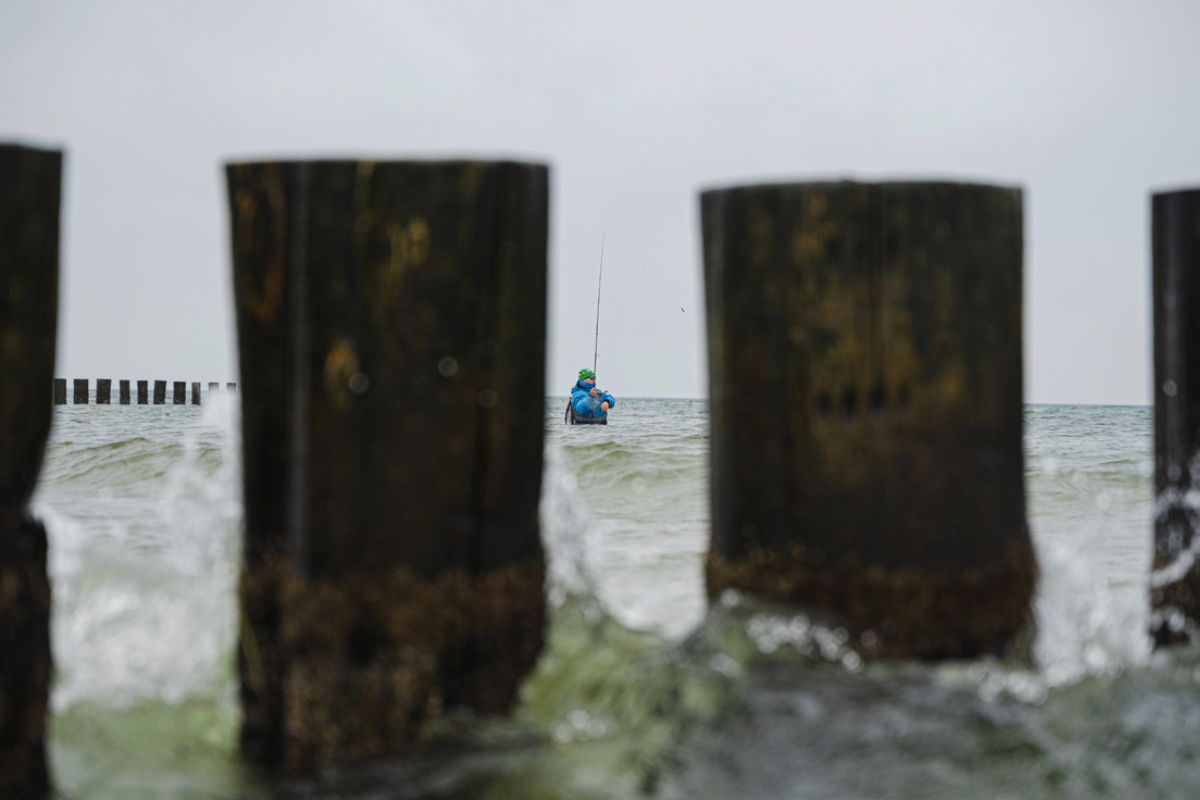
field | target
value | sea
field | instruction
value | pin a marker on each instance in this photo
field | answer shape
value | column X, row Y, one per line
column 643, row 690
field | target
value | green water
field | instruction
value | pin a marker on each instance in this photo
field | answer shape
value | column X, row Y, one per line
column 638, row 693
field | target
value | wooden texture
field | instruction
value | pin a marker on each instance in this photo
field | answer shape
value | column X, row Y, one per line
column 1175, row 583
column 866, row 390
column 30, row 182
column 391, row 333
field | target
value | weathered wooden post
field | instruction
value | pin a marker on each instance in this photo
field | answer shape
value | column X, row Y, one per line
column 30, row 183
column 81, row 391
column 195, row 393
column 866, row 389
column 179, row 393
column 123, row 388
column 104, row 391
column 1175, row 583
column 213, row 387
column 393, row 566
column 60, row 391
column 143, row 394
column 160, row 392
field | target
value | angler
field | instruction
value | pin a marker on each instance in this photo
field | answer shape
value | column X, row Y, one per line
column 589, row 405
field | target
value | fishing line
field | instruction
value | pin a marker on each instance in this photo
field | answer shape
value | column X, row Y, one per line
column 599, row 283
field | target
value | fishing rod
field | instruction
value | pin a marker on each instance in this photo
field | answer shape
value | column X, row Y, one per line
column 569, row 414
column 599, row 283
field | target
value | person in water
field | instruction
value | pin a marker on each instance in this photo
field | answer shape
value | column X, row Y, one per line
column 587, row 400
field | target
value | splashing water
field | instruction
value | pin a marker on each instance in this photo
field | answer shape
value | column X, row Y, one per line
column 639, row 691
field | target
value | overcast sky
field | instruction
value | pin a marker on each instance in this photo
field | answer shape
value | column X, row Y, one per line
column 1088, row 105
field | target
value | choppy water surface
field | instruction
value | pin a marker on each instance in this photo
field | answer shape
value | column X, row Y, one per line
column 638, row 693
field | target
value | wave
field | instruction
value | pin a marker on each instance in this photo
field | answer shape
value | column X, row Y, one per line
column 743, row 699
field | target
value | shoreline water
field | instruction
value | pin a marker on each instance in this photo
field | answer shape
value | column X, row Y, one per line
column 144, row 520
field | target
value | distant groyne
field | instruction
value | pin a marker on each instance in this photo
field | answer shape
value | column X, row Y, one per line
column 182, row 392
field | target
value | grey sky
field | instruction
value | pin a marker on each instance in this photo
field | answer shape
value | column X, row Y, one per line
column 1088, row 105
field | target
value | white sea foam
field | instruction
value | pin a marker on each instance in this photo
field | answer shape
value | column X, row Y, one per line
column 144, row 575
column 1083, row 627
column 567, row 532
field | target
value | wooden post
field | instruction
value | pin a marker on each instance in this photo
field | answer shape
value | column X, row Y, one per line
column 393, row 566
column 143, row 392
column 179, row 393
column 124, row 390
column 213, row 387
column 30, row 183
column 60, row 391
column 1175, row 582
column 81, row 391
column 160, row 392
column 195, row 393
column 229, row 387
column 866, row 400
column 104, row 391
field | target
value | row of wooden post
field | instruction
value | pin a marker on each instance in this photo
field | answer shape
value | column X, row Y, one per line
column 865, row 363
column 179, row 395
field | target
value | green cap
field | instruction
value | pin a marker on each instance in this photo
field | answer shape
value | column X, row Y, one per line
column 586, row 373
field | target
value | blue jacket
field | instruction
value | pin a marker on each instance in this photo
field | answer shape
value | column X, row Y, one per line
column 587, row 406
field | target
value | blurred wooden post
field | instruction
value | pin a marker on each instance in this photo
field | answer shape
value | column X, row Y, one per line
column 123, row 388
column 195, row 393
column 1175, row 582
column 213, row 387
column 179, row 393
column 866, row 399
column 60, row 391
column 143, row 393
column 30, row 183
column 160, row 392
column 81, row 391
column 229, row 387
column 104, row 391
column 393, row 566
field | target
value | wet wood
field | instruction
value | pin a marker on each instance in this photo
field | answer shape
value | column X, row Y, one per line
column 385, row 312
column 104, row 391
column 30, row 182
column 1175, row 584
column 123, row 389
column 865, row 371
